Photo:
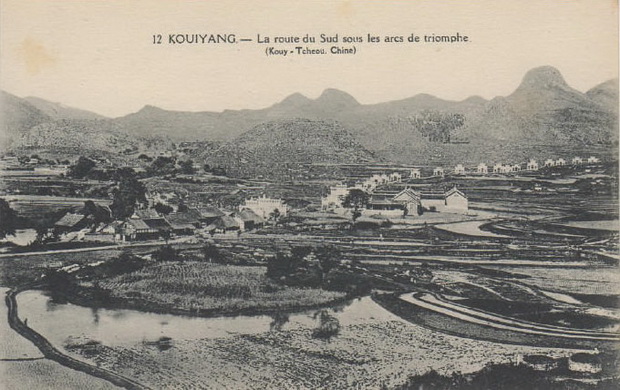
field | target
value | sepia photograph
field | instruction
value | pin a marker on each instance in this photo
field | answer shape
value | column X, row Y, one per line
column 300, row 195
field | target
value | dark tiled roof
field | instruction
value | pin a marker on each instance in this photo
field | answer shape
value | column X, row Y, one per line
column 70, row 220
column 210, row 212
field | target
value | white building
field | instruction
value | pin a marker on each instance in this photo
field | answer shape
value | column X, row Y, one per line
column 532, row 165
column 505, row 169
column 456, row 200
column 482, row 168
column 549, row 163
column 265, row 206
column 415, row 173
column 438, row 171
column 593, row 160
column 515, row 168
column 560, row 162
column 395, row 177
column 459, row 169
column 497, row 168
column 577, row 161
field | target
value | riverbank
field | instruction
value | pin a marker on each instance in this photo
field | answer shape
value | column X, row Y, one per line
column 198, row 288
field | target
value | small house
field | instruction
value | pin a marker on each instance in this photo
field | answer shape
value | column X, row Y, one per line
column 577, row 161
column 71, row 222
column 455, row 199
column 482, row 168
column 497, row 168
column 560, row 162
column 549, row 163
column 593, row 160
column 438, row 172
column 224, row 224
column 184, row 223
column 515, row 168
column 532, row 165
column 459, row 169
column 415, row 173
column 248, row 219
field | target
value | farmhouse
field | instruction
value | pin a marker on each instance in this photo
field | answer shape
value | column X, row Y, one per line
column 248, row 219
column 593, row 160
column 265, row 206
column 497, row 168
column 482, row 168
column 208, row 214
column 452, row 200
column 560, row 162
column 184, row 223
column 577, row 161
column 532, row 165
column 224, row 224
column 549, row 163
column 71, row 222
column 515, row 168
column 144, row 225
column 406, row 202
column 438, row 172
column 456, row 200
column 415, row 173
column 459, row 169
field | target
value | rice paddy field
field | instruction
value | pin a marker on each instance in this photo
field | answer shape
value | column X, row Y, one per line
column 203, row 286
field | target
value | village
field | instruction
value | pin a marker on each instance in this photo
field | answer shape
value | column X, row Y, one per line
column 396, row 195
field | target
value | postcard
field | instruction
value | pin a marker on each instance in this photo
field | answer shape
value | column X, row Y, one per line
column 309, row 195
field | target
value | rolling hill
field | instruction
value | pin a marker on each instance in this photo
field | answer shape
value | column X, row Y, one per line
column 543, row 112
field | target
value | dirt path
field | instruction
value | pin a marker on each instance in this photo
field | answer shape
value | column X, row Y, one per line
column 50, row 352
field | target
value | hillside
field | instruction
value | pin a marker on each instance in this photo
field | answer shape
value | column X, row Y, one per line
column 283, row 148
column 543, row 113
column 60, row 111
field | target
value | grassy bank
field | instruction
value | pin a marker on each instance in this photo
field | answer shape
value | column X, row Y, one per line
column 202, row 288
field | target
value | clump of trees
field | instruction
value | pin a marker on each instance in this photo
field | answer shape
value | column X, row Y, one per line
column 128, row 193
column 356, row 200
column 304, row 265
column 437, row 126
column 81, row 168
column 8, row 219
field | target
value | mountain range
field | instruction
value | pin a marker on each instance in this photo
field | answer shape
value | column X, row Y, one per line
column 543, row 110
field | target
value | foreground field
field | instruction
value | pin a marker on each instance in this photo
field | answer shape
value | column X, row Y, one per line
column 364, row 356
column 200, row 286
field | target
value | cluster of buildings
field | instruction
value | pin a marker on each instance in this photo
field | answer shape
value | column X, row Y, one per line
column 148, row 224
column 531, row 165
column 407, row 202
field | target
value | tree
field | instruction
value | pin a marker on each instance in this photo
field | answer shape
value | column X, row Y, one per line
column 163, row 208
column 162, row 166
column 129, row 192
column 81, row 167
column 356, row 199
column 275, row 216
column 8, row 219
column 187, row 167
column 212, row 254
column 329, row 258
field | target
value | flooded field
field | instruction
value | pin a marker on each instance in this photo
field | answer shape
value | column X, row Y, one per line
column 374, row 347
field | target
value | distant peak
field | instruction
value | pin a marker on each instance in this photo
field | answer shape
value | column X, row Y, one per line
column 295, row 98
column 334, row 95
column 543, row 76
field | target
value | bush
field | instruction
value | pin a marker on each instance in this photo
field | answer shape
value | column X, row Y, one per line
column 167, row 253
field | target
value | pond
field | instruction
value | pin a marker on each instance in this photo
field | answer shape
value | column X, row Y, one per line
column 59, row 322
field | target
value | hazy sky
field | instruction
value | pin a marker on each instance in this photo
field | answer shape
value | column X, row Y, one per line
column 98, row 55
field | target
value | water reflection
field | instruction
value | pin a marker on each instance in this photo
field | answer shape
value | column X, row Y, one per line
column 112, row 327
column 279, row 320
